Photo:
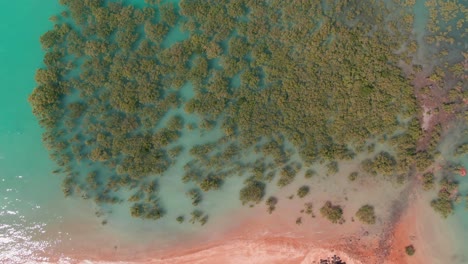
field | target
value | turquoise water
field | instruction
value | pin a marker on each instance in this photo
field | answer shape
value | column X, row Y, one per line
column 30, row 197
column 420, row 18
column 34, row 216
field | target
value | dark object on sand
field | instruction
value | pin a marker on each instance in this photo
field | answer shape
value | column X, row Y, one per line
column 410, row 250
column 333, row 260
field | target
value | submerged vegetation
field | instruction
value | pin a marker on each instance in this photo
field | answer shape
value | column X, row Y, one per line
column 271, row 203
column 353, row 176
column 263, row 73
column 253, row 192
column 446, row 196
column 303, row 191
column 428, row 181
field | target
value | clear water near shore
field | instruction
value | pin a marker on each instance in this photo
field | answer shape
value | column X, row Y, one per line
column 36, row 220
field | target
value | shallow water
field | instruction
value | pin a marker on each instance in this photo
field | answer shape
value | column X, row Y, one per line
column 36, row 221
column 420, row 19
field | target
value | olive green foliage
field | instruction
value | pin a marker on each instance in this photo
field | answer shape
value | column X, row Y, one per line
column 198, row 216
column 309, row 209
column 428, row 181
column 195, row 196
column 147, row 211
column 252, row 192
column 443, row 204
column 310, row 173
column 445, row 40
column 334, row 213
column 287, row 175
column 210, row 183
column 315, row 80
column 461, row 149
column 180, row 219
column 353, row 176
column 410, row 250
column 332, row 168
column 382, row 164
column 271, row 203
column 366, row 214
column 299, row 221
column 303, row 191
column 466, row 202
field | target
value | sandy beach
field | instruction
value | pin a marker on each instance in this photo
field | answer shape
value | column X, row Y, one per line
column 254, row 244
column 251, row 235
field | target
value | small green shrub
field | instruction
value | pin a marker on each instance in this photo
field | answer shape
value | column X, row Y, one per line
column 443, row 204
column 198, row 216
column 210, row 183
column 299, row 221
column 353, row 176
column 195, row 195
column 287, row 176
column 180, row 219
column 382, row 164
column 334, row 213
column 310, row 173
column 366, row 214
column 271, row 203
column 428, row 181
column 410, row 250
column 253, row 192
column 332, row 168
column 303, row 191
column 309, row 209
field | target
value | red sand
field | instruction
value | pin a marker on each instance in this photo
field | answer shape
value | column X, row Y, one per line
column 266, row 239
column 282, row 243
column 269, row 239
column 258, row 237
column 403, row 236
column 463, row 172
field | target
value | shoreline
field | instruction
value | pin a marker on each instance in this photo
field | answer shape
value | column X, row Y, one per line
column 263, row 238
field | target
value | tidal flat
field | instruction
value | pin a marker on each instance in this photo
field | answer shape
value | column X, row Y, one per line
column 189, row 129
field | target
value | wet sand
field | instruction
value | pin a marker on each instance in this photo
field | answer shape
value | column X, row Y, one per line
column 251, row 235
column 253, row 243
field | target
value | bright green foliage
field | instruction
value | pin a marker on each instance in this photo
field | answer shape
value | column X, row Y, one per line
column 334, row 213
column 366, row 214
